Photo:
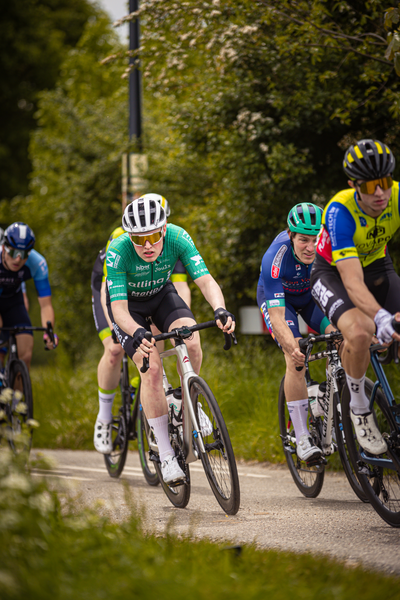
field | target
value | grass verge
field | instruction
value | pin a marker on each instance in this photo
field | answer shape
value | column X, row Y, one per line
column 49, row 553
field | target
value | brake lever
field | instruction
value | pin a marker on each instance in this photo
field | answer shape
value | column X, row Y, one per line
column 50, row 333
column 229, row 338
column 146, row 361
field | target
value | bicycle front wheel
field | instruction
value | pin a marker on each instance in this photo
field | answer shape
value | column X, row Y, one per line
column 309, row 479
column 350, row 471
column 378, row 476
column 148, row 466
column 20, row 409
column 218, row 460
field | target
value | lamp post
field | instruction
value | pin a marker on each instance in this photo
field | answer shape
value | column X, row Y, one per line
column 134, row 164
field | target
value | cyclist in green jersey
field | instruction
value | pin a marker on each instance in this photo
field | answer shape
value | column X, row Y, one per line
column 109, row 367
column 139, row 266
column 353, row 279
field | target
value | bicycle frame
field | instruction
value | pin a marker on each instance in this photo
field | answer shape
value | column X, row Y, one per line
column 331, row 388
column 190, row 425
column 334, row 370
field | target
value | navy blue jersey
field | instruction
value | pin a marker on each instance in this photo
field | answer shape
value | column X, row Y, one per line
column 35, row 267
column 283, row 275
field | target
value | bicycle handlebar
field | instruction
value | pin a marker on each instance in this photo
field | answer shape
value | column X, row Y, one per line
column 396, row 325
column 184, row 333
column 307, row 343
column 21, row 328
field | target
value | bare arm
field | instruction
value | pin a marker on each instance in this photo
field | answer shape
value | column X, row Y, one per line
column 352, row 276
column 104, row 303
column 183, row 290
column 282, row 330
column 122, row 316
column 213, row 294
column 47, row 314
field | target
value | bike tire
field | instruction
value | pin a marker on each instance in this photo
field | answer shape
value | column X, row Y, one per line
column 308, row 479
column 350, row 471
column 381, row 485
column 148, row 466
column 18, row 379
column 115, row 461
column 218, row 461
column 178, row 495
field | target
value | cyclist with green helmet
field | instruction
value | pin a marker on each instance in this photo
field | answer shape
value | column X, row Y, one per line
column 283, row 292
column 353, row 278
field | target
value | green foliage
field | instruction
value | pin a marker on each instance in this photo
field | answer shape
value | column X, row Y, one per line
column 34, row 38
column 258, row 102
column 75, row 183
column 48, row 553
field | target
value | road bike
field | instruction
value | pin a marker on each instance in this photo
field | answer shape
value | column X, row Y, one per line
column 190, row 439
column 326, row 431
column 379, row 476
column 16, row 400
column 128, row 426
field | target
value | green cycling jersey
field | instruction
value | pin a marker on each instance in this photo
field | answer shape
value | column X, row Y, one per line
column 131, row 278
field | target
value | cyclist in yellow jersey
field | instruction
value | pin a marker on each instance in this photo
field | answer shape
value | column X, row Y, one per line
column 109, row 367
column 353, row 279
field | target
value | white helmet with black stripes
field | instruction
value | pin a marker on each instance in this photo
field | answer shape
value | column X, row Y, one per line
column 144, row 214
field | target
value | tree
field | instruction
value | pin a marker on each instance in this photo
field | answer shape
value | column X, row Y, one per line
column 35, row 35
column 75, row 198
column 261, row 98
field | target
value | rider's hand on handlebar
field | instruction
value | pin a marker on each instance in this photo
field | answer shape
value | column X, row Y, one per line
column 225, row 320
column 384, row 328
column 143, row 346
column 298, row 357
column 48, row 343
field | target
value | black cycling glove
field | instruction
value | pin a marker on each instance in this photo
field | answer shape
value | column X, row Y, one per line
column 222, row 314
column 138, row 337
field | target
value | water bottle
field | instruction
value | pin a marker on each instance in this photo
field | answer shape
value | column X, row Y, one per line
column 313, row 395
column 175, row 406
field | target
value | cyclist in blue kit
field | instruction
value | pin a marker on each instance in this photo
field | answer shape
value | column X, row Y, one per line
column 283, row 292
column 20, row 262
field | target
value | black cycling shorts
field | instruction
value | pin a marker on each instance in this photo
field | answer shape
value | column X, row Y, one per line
column 13, row 312
column 331, row 296
column 162, row 309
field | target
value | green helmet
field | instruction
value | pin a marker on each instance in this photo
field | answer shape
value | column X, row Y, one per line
column 305, row 218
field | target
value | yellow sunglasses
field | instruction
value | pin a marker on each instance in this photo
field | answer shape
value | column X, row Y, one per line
column 152, row 238
column 369, row 187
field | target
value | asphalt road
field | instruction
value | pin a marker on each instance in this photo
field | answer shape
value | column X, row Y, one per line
column 273, row 513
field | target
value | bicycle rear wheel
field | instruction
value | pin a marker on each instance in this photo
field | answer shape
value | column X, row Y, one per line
column 381, row 483
column 115, row 461
column 20, row 409
column 308, row 479
column 218, row 460
column 350, row 471
column 148, row 466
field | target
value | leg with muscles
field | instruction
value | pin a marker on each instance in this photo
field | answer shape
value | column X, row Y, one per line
column 108, row 375
column 358, row 329
column 156, row 411
column 297, row 403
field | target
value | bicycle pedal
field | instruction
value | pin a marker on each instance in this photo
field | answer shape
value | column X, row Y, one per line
column 154, row 457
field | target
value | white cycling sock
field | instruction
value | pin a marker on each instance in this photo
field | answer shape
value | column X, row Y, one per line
column 106, row 399
column 298, row 411
column 359, row 402
column 159, row 426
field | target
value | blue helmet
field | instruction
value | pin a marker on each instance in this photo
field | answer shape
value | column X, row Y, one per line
column 20, row 236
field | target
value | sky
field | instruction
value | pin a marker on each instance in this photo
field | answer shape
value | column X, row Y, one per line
column 116, row 9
